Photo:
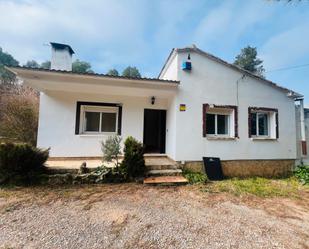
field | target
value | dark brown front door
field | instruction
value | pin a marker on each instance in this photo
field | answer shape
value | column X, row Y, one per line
column 154, row 130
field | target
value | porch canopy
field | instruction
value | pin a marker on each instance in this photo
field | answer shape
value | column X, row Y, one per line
column 55, row 80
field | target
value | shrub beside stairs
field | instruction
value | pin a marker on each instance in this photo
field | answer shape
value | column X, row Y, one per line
column 162, row 170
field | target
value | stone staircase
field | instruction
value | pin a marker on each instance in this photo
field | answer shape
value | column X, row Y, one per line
column 162, row 170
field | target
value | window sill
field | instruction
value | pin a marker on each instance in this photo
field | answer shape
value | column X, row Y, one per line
column 96, row 134
column 220, row 138
column 263, row 139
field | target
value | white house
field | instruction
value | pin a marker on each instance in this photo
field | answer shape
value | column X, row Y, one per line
column 199, row 106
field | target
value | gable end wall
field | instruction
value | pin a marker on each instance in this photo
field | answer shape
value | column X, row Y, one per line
column 214, row 83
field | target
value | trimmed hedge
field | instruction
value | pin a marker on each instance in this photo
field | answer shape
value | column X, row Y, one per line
column 20, row 163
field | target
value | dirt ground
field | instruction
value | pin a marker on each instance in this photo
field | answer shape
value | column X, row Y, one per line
column 139, row 216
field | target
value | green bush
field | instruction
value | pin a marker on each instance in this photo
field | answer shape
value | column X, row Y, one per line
column 195, row 177
column 302, row 173
column 111, row 149
column 133, row 162
column 21, row 163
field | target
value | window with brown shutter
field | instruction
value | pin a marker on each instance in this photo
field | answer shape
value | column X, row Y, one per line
column 263, row 122
column 220, row 121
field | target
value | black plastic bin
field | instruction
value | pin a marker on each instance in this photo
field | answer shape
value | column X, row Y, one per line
column 213, row 168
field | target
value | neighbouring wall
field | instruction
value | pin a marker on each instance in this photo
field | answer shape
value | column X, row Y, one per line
column 302, row 158
column 306, row 159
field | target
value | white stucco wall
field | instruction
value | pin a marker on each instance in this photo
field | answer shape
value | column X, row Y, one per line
column 171, row 73
column 57, row 122
column 171, row 124
column 208, row 82
column 213, row 83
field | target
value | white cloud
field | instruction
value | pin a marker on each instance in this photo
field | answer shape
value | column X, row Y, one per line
column 172, row 19
column 213, row 25
column 226, row 23
column 287, row 47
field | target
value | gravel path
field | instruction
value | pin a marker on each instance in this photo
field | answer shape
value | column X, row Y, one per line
column 136, row 216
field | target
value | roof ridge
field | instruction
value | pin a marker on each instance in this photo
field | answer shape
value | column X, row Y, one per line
column 215, row 58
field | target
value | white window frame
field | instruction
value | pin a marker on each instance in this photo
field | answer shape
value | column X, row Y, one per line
column 257, row 124
column 100, row 109
column 272, row 125
column 230, row 122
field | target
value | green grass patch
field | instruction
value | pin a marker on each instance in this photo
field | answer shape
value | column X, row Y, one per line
column 262, row 187
column 195, row 177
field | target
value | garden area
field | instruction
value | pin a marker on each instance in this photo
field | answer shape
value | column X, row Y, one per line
column 24, row 165
column 107, row 207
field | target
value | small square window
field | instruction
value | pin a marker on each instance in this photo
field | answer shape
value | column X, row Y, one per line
column 220, row 121
column 99, row 119
column 263, row 123
column 217, row 124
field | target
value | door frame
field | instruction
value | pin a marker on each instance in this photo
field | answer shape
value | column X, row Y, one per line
column 162, row 131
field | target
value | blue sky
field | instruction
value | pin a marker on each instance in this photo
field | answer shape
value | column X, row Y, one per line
column 114, row 34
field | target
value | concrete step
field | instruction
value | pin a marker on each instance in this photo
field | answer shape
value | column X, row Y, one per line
column 161, row 166
column 165, row 180
column 159, row 161
column 165, row 172
column 162, row 162
column 158, row 155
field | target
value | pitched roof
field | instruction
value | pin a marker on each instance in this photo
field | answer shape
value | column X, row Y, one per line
column 193, row 48
column 93, row 74
column 61, row 46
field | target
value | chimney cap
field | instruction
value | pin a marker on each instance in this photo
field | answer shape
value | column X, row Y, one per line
column 61, row 46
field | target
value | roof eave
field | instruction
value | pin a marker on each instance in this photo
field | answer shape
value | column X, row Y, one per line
column 69, row 73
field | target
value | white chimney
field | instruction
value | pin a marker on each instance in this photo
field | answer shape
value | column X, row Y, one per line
column 61, row 58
